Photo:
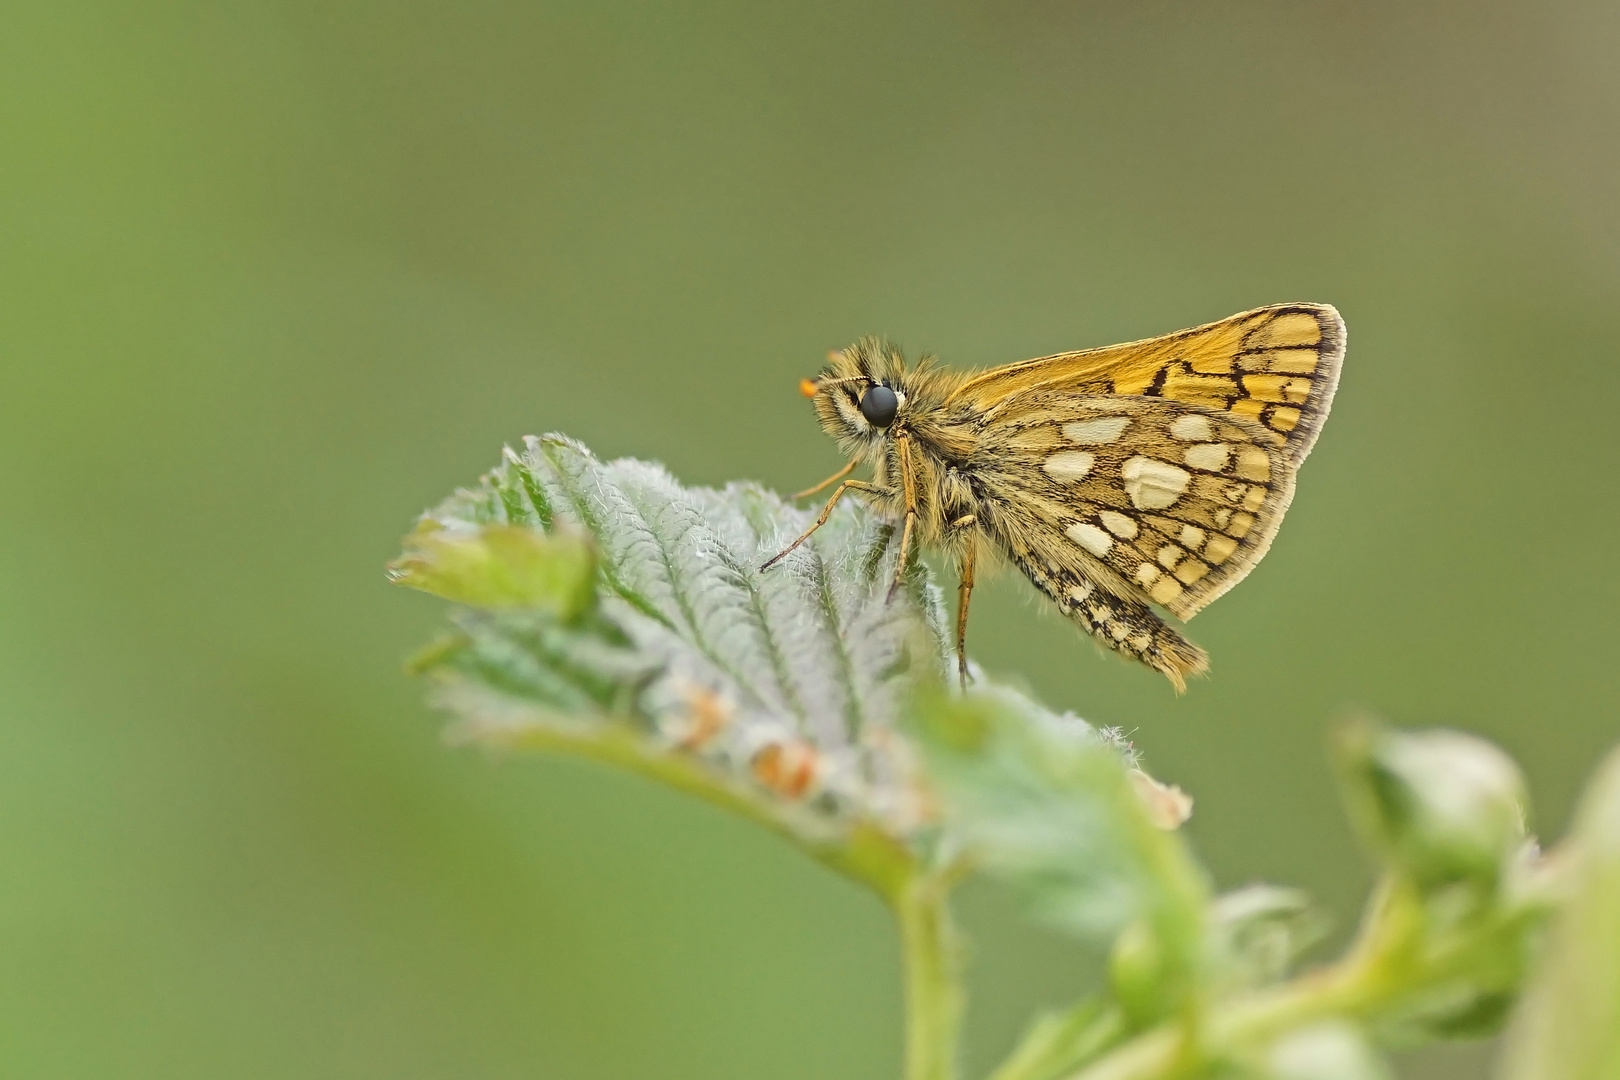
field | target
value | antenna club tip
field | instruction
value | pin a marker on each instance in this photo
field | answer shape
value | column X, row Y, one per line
column 807, row 387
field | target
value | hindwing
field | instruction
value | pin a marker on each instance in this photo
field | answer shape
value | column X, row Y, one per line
column 1158, row 500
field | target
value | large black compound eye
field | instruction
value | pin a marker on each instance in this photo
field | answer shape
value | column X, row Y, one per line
column 879, row 405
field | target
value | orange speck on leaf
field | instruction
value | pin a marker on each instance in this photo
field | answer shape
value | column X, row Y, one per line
column 707, row 715
column 788, row 769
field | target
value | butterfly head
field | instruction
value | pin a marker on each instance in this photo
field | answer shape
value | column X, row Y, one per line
column 862, row 395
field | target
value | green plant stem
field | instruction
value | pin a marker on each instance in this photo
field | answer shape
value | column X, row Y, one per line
column 933, row 988
column 1383, row 968
column 1161, row 1053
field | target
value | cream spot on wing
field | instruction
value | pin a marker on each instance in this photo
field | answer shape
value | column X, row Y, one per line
column 1192, row 428
column 1090, row 537
column 1284, row 418
column 1221, row 518
column 1254, row 499
column 1210, row 456
column 1219, row 549
column 1069, row 465
column 1165, row 590
column 1153, row 484
column 1169, row 555
column 1140, row 641
column 1192, row 536
column 1252, row 463
column 1119, row 630
column 1104, row 429
column 1147, row 574
column 1240, row 524
column 1121, row 525
column 1078, row 593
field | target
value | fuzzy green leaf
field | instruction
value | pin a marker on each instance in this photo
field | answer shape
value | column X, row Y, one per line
column 784, row 684
column 1047, row 803
column 1569, row 1025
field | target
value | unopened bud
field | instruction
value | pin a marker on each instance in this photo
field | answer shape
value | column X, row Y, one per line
column 1445, row 807
column 1140, row 975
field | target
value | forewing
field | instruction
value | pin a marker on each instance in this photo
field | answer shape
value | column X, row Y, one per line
column 1159, row 500
column 1276, row 367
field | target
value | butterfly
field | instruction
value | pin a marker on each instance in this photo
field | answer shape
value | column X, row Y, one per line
column 1120, row 479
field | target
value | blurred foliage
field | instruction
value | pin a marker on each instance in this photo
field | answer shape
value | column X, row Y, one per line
column 1569, row 1028
column 276, row 276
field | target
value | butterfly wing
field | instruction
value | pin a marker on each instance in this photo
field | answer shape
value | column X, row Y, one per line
column 1276, row 367
column 1110, row 503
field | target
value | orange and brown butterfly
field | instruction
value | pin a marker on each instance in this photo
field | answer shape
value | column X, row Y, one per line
column 1116, row 479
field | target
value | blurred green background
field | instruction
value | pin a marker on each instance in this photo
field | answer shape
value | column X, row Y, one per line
column 275, row 276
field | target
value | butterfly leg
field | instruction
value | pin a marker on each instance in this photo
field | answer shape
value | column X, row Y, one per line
column 964, row 593
column 905, row 554
column 826, row 512
column 833, row 479
column 909, row 486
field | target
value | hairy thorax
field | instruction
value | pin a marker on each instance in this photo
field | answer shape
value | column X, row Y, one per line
column 944, row 490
